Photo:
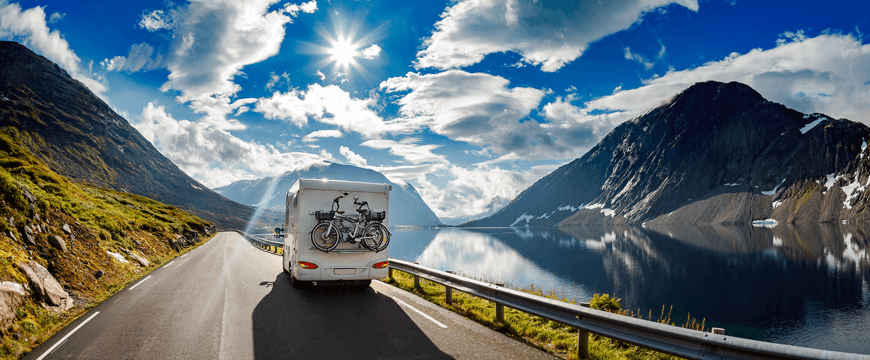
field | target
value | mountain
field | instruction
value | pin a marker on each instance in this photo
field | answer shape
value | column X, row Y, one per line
column 79, row 136
column 406, row 206
column 714, row 153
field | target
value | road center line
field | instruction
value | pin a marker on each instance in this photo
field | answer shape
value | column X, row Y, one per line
column 419, row 312
column 143, row 280
column 65, row 337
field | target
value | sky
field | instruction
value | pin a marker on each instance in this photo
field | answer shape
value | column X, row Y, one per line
column 469, row 101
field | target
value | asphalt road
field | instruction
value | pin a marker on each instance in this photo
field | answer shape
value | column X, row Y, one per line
column 230, row 300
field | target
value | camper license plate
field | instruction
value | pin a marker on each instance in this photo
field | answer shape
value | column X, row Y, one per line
column 345, row 271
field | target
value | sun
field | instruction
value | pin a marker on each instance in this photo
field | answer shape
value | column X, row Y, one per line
column 343, row 52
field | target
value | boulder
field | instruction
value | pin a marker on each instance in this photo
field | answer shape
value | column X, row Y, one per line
column 11, row 296
column 28, row 235
column 46, row 288
column 57, row 242
column 30, row 198
column 118, row 257
column 141, row 260
column 12, row 235
column 99, row 274
column 67, row 229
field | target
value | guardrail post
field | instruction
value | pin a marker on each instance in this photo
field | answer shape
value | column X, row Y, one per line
column 583, row 340
column 416, row 280
column 499, row 309
column 448, row 292
column 390, row 273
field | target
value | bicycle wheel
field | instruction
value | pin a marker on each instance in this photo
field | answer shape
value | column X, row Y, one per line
column 323, row 241
column 376, row 237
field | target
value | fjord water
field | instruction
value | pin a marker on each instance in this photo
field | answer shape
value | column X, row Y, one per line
column 799, row 285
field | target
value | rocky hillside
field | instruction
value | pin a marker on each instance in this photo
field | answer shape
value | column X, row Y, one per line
column 65, row 246
column 406, row 205
column 77, row 135
column 714, row 153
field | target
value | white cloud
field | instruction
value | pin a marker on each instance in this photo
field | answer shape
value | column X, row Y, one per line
column 352, row 157
column 479, row 109
column 30, row 28
column 322, row 134
column 211, row 42
column 213, row 156
column 55, row 17
column 327, row 104
column 409, row 149
column 155, row 20
column 472, row 192
column 829, row 74
column 549, row 33
column 275, row 79
column 399, row 174
column 372, row 52
column 308, row 8
column 141, row 57
column 648, row 64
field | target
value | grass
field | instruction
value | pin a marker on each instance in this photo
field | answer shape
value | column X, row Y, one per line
column 101, row 220
column 549, row 336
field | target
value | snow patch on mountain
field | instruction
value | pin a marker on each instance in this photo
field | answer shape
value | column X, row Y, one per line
column 819, row 118
column 522, row 217
column 772, row 192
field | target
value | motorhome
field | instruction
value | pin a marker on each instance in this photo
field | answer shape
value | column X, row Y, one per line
column 349, row 262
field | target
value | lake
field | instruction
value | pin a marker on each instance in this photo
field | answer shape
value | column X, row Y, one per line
column 799, row 285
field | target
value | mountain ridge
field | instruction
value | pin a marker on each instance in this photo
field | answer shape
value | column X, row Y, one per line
column 406, row 205
column 714, row 153
column 79, row 136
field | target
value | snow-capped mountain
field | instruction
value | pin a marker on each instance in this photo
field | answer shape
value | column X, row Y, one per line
column 715, row 153
column 406, row 205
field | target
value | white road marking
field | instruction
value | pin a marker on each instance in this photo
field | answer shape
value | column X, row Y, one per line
column 65, row 337
column 119, row 298
column 170, row 263
column 419, row 312
column 143, row 280
column 183, row 255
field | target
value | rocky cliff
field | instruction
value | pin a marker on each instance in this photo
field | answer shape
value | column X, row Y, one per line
column 79, row 136
column 714, row 153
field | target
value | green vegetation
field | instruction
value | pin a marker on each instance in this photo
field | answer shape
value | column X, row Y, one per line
column 99, row 221
column 544, row 334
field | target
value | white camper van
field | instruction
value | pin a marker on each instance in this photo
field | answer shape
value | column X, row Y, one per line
column 347, row 259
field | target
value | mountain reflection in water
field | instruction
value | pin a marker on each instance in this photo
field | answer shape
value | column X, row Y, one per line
column 803, row 285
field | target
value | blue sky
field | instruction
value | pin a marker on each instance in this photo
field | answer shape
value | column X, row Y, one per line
column 471, row 101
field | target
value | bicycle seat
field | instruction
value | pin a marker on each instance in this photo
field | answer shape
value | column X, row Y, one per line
column 339, row 212
column 361, row 211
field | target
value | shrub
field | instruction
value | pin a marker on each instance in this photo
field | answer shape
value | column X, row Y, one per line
column 606, row 303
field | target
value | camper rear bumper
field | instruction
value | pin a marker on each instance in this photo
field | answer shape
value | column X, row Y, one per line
column 340, row 274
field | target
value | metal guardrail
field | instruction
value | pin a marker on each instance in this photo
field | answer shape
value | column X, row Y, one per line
column 268, row 245
column 668, row 339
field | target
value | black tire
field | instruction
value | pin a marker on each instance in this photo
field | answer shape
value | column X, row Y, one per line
column 364, row 284
column 321, row 240
column 296, row 284
column 376, row 237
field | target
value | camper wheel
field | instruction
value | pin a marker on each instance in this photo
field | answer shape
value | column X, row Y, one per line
column 296, row 283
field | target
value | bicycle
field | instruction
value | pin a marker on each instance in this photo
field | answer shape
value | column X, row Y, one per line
column 367, row 229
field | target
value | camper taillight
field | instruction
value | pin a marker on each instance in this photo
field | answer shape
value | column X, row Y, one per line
column 381, row 265
column 307, row 265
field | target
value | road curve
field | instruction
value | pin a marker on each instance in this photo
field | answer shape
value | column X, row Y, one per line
column 230, row 300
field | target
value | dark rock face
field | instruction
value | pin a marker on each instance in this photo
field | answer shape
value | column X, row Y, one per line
column 715, row 153
column 76, row 134
column 406, row 205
